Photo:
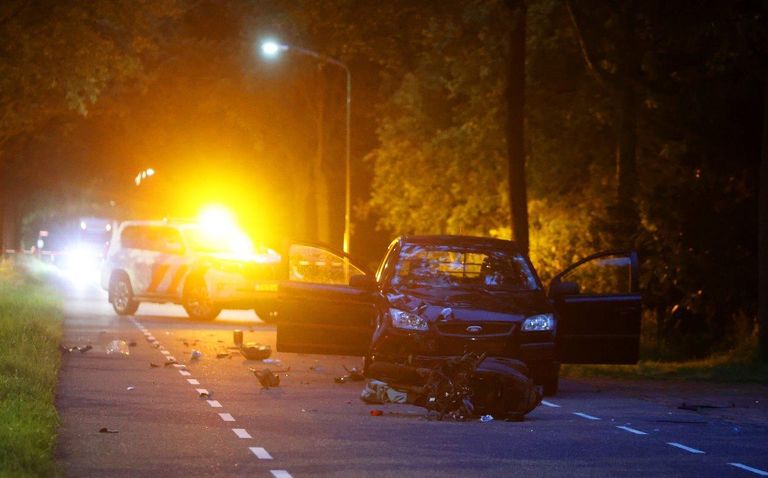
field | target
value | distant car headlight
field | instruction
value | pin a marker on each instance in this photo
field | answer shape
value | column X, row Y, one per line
column 538, row 323
column 407, row 320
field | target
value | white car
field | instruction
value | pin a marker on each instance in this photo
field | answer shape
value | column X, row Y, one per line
column 188, row 264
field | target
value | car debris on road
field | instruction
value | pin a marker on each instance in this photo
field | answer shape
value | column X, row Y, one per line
column 459, row 388
column 255, row 351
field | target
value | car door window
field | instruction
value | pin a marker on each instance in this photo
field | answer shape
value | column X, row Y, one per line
column 319, row 266
column 611, row 274
column 167, row 240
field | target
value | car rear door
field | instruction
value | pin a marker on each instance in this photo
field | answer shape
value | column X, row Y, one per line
column 318, row 311
column 598, row 305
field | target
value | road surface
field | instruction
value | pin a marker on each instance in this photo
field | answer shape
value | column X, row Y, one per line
column 213, row 418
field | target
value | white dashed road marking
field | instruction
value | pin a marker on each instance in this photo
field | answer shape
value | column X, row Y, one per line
column 750, row 469
column 549, row 404
column 631, row 430
column 686, row 448
column 241, row 433
column 260, row 453
column 584, row 415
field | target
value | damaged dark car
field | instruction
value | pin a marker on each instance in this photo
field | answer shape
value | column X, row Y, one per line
column 437, row 297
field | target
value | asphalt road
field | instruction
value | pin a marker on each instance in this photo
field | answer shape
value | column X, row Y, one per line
column 311, row 426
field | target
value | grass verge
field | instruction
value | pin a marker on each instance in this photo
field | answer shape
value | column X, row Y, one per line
column 740, row 365
column 30, row 332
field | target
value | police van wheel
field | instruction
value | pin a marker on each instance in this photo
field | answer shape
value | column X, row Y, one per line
column 122, row 296
column 198, row 303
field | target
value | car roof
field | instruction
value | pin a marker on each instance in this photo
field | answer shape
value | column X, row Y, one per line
column 458, row 240
column 157, row 223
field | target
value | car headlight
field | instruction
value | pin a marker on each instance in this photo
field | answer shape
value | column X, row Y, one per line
column 539, row 323
column 407, row 320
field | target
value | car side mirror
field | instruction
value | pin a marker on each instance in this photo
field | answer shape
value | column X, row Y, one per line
column 362, row 282
column 559, row 289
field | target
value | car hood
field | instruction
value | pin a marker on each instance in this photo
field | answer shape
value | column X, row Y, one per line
column 469, row 305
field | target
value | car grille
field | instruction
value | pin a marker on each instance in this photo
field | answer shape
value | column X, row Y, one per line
column 488, row 328
column 495, row 338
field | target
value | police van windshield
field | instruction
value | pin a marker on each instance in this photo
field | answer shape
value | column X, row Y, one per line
column 203, row 240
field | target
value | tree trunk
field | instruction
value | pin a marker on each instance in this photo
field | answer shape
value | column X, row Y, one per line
column 626, row 217
column 763, row 235
column 518, row 201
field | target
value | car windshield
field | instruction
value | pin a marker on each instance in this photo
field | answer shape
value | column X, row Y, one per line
column 462, row 267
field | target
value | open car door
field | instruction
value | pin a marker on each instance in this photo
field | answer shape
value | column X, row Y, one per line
column 598, row 305
column 318, row 311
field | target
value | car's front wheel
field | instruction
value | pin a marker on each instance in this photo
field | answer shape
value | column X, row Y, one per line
column 197, row 302
column 122, row 295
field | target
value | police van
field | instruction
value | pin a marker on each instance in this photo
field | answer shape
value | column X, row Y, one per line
column 186, row 263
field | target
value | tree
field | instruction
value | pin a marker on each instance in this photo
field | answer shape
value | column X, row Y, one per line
column 518, row 198
column 58, row 59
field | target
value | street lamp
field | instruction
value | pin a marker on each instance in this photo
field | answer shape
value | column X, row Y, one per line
column 271, row 49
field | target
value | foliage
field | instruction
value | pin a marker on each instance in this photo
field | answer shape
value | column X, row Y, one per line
column 30, row 329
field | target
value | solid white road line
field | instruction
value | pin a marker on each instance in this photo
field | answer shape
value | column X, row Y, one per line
column 241, row 433
column 549, row 404
column 193, row 381
column 280, row 474
column 631, row 430
column 260, row 453
column 686, row 448
column 151, row 338
column 584, row 415
column 214, row 403
column 750, row 469
column 179, row 365
column 185, row 373
column 227, row 417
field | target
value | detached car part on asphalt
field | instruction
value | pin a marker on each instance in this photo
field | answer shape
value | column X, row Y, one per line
column 184, row 263
column 436, row 297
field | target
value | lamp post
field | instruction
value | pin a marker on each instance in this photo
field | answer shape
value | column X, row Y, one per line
column 272, row 49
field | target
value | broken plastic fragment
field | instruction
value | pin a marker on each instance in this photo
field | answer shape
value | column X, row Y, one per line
column 254, row 351
column 107, row 430
column 267, row 378
column 353, row 375
column 130, row 388
column 223, row 355
column 377, row 413
column 486, row 418
column 196, row 354
column 118, row 347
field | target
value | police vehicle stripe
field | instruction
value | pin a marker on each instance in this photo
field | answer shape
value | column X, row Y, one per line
column 177, row 278
column 158, row 272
